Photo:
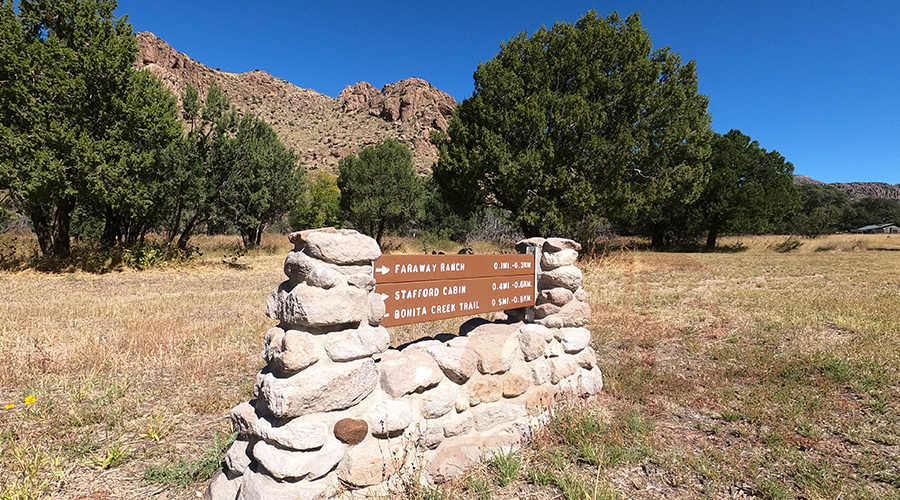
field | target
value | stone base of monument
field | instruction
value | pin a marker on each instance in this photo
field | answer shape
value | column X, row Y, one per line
column 339, row 413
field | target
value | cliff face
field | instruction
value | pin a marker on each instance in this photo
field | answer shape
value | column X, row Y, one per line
column 320, row 128
column 858, row 190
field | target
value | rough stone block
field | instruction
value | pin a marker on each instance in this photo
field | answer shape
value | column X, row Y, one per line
column 556, row 296
column 362, row 281
column 390, row 417
column 305, row 305
column 346, row 247
column 236, row 458
column 369, row 463
column 261, row 486
column 454, row 456
column 562, row 367
column 458, row 424
column 440, row 400
column 357, row 343
column 514, row 384
column 325, row 277
column 545, row 309
column 587, row 358
column 407, row 373
column 377, row 309
column 568, row 277
column 301, row 433
column 554, row 349
column 223, row 486
column 536, row 242
column 291, row 351
column 244, row 417
column 332, row 388
column 496, row 346
column 559, row 244
column 293, row 465
column 494, row 414
column 538, row 400
column 540, row 371
column 433, row 435
column 553, row 260
column 484, row 389
column 532, row 343
column 573, row 340
column 457, row 363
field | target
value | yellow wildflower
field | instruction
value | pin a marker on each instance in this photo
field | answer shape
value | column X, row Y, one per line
column 30, row 400
column 10, row 406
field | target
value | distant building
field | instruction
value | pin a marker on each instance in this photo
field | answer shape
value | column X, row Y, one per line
column 878, row 229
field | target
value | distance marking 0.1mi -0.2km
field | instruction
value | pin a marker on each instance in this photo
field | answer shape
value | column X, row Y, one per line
column 404, row 268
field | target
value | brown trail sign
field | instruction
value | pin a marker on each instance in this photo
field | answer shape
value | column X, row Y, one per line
column 418, row 288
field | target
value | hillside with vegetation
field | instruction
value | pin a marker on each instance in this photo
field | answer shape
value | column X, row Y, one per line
column 321, row 129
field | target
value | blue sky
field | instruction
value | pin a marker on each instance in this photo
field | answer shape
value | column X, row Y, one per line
column 815, row 80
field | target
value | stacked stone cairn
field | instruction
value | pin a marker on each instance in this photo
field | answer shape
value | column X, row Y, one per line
column 339, row 413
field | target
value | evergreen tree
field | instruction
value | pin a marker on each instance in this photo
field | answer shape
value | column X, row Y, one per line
column 577, row 123
column 68, row 133
column 379, row 188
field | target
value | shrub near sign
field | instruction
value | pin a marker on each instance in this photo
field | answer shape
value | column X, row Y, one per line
column 418, row 288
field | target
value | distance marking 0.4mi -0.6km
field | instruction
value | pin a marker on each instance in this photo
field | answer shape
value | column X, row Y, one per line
column 418, row 288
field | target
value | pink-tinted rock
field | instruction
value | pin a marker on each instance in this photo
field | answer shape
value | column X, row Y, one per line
column 587, row 358
column 545, row 309
column 369, row 463
column 555, row 296
column 407, row 373
column 484, row 389
column 562, row 367
column 514, row 384
column 496, row 346
column 457, row 363
column 454, row 457
column 532, row 343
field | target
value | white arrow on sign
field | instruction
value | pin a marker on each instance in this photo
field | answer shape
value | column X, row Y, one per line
column 384, row 296
column 383, row 269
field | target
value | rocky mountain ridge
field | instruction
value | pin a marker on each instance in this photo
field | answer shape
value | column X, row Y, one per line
column 321, row 129
column 858, row 190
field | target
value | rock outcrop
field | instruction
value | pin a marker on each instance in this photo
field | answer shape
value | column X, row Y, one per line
column 320, row 128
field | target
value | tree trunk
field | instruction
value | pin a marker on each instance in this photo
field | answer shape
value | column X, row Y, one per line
column 62, row 220
column 41, row 228
column 529, row 231
column 188, row 230
column 176, row 221
column 711, row 238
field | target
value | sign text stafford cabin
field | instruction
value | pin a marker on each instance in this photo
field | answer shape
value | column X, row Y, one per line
column 418, row 288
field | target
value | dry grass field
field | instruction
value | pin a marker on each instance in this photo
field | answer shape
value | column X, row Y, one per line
column 770, row 370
